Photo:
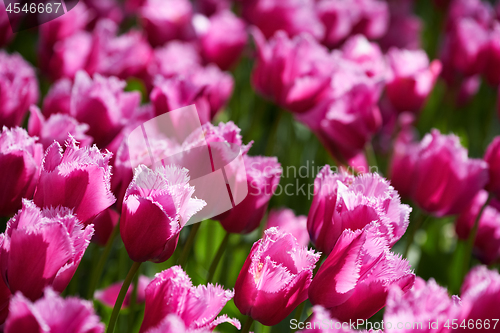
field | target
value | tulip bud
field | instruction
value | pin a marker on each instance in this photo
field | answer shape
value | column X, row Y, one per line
column 412, row 79
column 274, row 278
column 355, row 279
column 487, row 241
column 262, row 178
column 42, row 248
column 437, row 173
column 294, row 73
column 222, row 37
column 156, row 206
column 52, row 313
column 342, row 202
column 78, row 178
column 171, row 292
column 20, row 162
column 18, row 87
column 285, row 220
column 166, row 20
column 292, row 16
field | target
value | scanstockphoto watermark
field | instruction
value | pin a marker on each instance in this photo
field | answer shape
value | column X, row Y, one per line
column 296, row 180
column 328, row 324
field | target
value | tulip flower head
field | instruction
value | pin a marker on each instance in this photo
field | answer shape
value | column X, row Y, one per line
column 156, row 206
column 20, row 162
column 42, row 247
column 52, row 313
column 172, row 293
column 285, row 220
column 274, row 278
column 77, row 178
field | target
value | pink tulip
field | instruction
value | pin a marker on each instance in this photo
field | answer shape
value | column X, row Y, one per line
column 208, row 88
column 222, row 38
column 65, row 25
column 165, row 20
column 492, row 157
column 58, row 98
column 294, row 73
column 122, row 56
column 366, row 55
column 412, row 78
column 480, row 298
column 425, row 304
column 479, row 11
column 173, row 323
column 175, row 58
column 5, row 296
column 355, row 279
column 103, row 105
column 344, row 125
column 20, row 162
column 56, row 128
column 342, row 202
column 405, row 28
column 109, row 295
column 18, row 89
column 374, row 18
column 274, row 278
column 156, row 206
column 106, row 10
column 263, row 176
column 5, row 26
column 437, row 174
column 42, row 247
column 172, row 293
column 211, row 7
column 491, row 70
column 77, row 178
column 292, row 16
column 285, row 220
column 52, row 313
column 487, row 242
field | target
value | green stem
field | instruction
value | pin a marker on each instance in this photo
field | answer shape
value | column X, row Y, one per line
column 133, row 300
column 271, row 143
column 248, row 324
column 189, row 244
column 298, row 312
column 121, row 296
column 97, row 271
column 217, row 257
column 419, row 221
column 472, row 238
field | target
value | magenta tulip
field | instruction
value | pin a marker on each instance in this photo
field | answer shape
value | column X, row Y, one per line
column 103, row 104
column 437, row 173
column 412, row 79
column 321, row 322
column 77, row 178
column 342, row 202
column 172, row 293
column 18, row 89
column 58, row 98
column 368, row 56
column 156, row 206
column 222, row 37
column 20, row 162
column 263, row 176
column 422, row 306
column 491, row 70
column 173, row 323
column 274, row 278
column 65, row 25
column 291, row 16
column 175, row 58
column 5, row 296
column 42, row 248
column 487, row 241
column 286, row 221
column 56, row 128
column 104, row 223
column 166, row 20
column 52, row 313
column 492, row 157
column 6, row 26
column 405, row 28
column 355, row 279
column 480, row 298
column 109, row 295
column 293, row 73
column 211, row 7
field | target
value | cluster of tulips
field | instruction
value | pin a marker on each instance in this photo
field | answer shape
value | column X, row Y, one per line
column 352, row 73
